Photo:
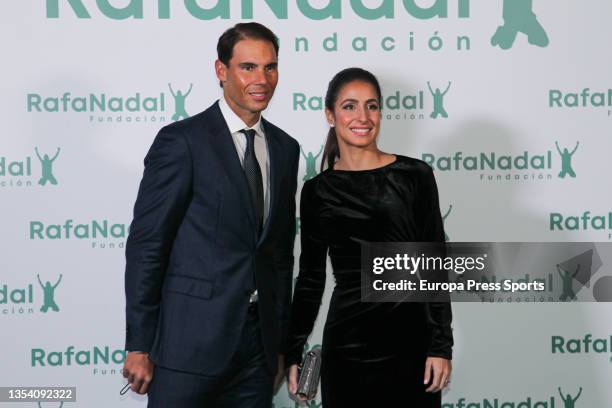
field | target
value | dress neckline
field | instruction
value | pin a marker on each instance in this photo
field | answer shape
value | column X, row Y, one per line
column 397, row 159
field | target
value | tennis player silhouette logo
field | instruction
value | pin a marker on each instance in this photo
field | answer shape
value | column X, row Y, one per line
column 49, row 295
column 568, row 283
column 450, row 208
column 47, row 167
column 311, row 163
column 578, row 272
column 566, row 160
column 519, row 18
column 568, row 400
column 179, row 103
column 438, row 100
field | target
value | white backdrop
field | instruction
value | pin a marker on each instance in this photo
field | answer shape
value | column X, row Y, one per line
column 514, row 102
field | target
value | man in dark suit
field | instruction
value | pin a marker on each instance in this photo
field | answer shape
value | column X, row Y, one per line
column 210, row 251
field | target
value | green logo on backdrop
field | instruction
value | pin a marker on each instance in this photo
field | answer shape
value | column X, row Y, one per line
column 311, row 163
column 95, row 357
column 179, row 103
column 438, row 101
column 493, row 166
column 527, row 402
column 49, row 294
column 566, row 161
column 47, row 167
column 221, row 9
column 104, row 108
column 102, row 234
column 587, row 221
column 576, row 275
column 584, row 99
column 100, row 102
column 18, row 173
column 568, row 283
column 568, row 400
column 22, row 300
column 396, row 104
column 519, row 18
column 579, row 346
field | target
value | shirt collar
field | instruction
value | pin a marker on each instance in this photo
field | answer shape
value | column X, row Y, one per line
column 234, row 123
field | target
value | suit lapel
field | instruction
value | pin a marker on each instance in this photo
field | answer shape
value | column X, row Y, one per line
column 224, row 146
column 275, row 155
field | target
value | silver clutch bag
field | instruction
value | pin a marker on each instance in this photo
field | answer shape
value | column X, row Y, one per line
column 309, row 374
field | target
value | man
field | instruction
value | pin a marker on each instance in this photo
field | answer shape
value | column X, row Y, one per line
column 210, row 251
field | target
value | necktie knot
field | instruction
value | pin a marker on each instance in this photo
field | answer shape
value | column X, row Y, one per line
column 250, row 136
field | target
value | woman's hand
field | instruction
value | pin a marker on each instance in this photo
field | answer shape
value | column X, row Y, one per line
column 292, row 383
column 438, row 371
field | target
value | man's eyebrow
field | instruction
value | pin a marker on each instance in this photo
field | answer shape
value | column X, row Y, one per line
column 252, row 64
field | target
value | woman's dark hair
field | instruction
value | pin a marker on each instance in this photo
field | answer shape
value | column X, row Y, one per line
column 239, row 32
column 346, row 76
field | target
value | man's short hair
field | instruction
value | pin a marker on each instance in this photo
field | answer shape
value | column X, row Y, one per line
column 243, row 31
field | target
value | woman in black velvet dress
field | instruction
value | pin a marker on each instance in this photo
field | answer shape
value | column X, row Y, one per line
column 374, row 354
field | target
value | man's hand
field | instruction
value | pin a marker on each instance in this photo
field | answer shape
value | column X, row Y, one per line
column 438, row 371
column 280, row 374
column 138, row 370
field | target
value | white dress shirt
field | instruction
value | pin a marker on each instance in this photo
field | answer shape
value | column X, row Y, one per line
column 235, row 125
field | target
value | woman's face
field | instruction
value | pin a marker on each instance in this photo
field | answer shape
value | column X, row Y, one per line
column 356, row 115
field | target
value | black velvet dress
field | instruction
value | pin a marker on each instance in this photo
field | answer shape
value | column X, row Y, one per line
column 373, row 353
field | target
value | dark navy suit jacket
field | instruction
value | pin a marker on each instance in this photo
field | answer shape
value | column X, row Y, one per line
column 193, row 250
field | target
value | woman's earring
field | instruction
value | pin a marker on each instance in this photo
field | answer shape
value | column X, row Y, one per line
column 332, row 125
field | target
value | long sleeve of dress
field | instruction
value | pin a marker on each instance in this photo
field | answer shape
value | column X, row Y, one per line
column 439, row 314
column 310, row 283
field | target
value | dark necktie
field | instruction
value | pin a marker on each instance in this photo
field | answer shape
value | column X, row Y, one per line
column 252, row 172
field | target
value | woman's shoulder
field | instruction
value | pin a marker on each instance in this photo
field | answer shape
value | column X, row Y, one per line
column 310, row 185
column 412, row 164
column 321, row 176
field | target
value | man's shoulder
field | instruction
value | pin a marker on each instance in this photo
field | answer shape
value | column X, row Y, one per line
column 193, row 124
column 280, row 134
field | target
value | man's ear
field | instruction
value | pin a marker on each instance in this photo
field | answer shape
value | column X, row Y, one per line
column 221, row 71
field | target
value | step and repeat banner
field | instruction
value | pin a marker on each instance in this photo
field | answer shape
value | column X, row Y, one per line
column 510, row 102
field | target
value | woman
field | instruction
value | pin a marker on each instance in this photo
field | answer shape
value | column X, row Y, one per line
column 374, row 354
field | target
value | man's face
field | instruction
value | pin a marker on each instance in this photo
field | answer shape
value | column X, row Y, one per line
column 250, row 79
